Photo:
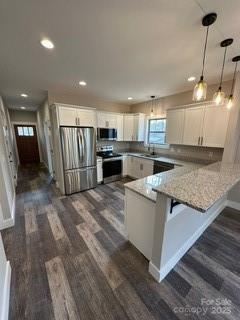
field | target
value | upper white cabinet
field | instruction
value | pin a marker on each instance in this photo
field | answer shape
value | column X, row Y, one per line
column 106, row 120
column 128, row 127
column 175, row 126
column 193, row 126
column 134, row 127
column 198, row 126
column 119, row 126
column 76, row 117
column 67, row 116
column 215, row 126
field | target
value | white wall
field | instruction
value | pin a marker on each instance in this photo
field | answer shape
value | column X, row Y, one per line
column 7, row 187
column 22, row 116
column 5, row 275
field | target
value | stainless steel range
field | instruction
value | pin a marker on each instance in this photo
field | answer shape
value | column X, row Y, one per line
column 112, row 164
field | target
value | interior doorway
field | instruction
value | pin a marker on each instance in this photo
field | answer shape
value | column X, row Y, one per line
column 27, row 143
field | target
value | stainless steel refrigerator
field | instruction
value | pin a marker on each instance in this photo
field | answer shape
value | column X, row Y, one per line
column 79, row 158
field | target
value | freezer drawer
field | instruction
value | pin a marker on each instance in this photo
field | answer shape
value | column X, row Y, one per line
column 80, row 179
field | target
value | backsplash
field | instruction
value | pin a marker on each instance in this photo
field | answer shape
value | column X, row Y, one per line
column 176, row 151
column 180, row 151
column 118, row 146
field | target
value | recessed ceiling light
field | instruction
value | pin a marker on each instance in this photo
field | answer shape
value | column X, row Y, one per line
column 82, row 83
column 46, row 43
column 191, row 79
column 24, row 95
column 23, row 108
column 130, row 98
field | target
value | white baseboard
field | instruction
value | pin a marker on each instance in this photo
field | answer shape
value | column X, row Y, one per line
column 6, row 293
column 160, row 274
column 233, row 204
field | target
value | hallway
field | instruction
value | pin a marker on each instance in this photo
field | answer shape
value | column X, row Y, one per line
column 70, row 260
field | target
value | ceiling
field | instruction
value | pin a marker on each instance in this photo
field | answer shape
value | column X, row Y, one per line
column 120, row 48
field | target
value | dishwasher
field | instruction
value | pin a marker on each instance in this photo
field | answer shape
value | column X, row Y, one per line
column 160, row 166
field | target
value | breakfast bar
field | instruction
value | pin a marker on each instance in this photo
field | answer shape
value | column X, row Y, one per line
column 167, row 212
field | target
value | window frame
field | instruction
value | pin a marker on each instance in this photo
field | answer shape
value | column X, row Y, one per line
column 155, row 145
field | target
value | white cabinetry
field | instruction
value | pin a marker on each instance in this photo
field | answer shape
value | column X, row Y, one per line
column 76, row 117
column 119, row 126
column 198, row 126
column 134, row 126
column 215, row 126
column 106, row 120
column 67, row 116
column 137, row 167
column 175, row 126
column 193, row 126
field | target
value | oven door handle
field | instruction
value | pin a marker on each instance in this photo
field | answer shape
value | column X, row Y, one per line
column 112, row 159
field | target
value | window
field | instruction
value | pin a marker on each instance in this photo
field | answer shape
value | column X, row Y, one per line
column 157, row 131
column 25, row 131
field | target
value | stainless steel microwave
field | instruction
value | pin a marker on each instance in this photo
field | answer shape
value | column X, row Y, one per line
column 107, row 134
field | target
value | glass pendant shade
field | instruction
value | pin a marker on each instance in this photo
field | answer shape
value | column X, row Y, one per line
column 200, row 90
column 230, row 101
column 219, row 97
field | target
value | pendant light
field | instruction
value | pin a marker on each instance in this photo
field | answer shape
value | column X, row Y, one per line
column 219, row 95
column 152, row 110
column 230, row 98
column 200, row 90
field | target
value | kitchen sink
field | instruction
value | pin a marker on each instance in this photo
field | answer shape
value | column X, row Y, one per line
column 150, row 155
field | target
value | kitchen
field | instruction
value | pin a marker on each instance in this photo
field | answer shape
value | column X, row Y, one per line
column 120, row 164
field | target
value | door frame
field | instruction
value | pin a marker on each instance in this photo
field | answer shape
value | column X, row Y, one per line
column 24, row 123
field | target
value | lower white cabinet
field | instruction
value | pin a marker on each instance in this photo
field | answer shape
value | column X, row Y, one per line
column 137, row 167
column 99, row 170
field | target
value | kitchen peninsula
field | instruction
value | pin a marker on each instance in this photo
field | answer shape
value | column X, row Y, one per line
column 167, row 212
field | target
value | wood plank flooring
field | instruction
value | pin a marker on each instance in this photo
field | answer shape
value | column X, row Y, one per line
column 70, row 260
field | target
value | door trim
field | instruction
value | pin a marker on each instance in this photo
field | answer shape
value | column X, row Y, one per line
column 24, row 123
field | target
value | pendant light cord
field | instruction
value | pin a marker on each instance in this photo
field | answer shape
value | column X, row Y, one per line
column 224, row 58
column 234, row 77
column 204, row 51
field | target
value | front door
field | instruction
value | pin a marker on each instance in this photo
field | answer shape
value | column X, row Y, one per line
column 27, row 143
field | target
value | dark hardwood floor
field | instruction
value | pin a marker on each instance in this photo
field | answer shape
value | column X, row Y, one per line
column 70, row 260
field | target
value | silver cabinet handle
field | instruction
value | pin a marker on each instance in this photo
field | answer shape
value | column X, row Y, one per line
column 198, row 140
column 201, row 141
column 79, row 121
column 76, row 121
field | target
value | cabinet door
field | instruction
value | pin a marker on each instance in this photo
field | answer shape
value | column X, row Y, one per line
column 139, row 127
column 136, row 170
column 128, row 127
column 193, row 126
column 146, row 168
column 86, row 118
column 125, row 161
column 119, row 126
column 215, row 126
column 67, row 116
column 175, row 126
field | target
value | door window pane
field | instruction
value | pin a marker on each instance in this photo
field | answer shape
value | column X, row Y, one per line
column 30, row 131
column 20, row 131
column 25, row 131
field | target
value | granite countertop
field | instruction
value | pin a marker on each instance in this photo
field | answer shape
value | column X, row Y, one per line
column 145, row 186
column 202, row 187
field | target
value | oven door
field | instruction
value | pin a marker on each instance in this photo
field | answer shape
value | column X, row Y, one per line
column 107, row 134
column 112, row 170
